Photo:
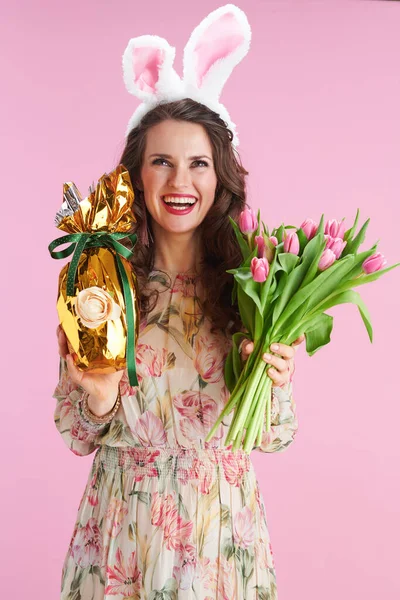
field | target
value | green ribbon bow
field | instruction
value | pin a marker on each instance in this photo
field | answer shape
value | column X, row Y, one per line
column 81, row 241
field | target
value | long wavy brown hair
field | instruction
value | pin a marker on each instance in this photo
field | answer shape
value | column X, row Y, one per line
column 219, row 245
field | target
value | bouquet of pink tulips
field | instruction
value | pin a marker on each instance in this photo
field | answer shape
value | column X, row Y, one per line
column 284, row 286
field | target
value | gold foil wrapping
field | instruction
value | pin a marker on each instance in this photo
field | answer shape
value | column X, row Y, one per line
column 107, row 209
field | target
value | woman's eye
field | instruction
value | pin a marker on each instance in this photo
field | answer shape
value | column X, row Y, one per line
column 196, row 163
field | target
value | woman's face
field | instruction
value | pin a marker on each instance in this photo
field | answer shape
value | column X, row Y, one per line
column 178, row 175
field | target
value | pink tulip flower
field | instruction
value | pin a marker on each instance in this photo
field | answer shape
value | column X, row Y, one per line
column 259, row 269
column 291, row 243
column 274, row 240
column 335, row 244
column 259, row 239
column 327, row 259
column 334, row 228
column 374, row 263
column 248, row 221
column 309, row 227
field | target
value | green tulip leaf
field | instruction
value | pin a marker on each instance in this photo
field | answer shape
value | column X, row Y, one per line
column 303, row 240
column 318, row 333
column 329, row 280
column 239, row 236
column 358, row 261
column 288, row 261
column 250, row 287
column 279, row 233
column 353, row 245
column 321, row 226
column 247, row 310
column 234, row 291
column 314, row 291
column 348, row 236
column 312, row 255
column 281, row 285
column 258, row 231
column 229, row 374
column 346, row 297
column 367, row 278
column 237, row 362
column 297, row 276
column 252, row 254
column 265, row 229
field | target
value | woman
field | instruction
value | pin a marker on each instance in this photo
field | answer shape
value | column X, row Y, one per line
column 164, row 514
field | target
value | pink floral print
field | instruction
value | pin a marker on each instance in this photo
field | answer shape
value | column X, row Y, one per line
column 165, row 514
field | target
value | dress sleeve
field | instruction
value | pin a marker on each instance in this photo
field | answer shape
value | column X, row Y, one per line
column 80, row 435
column 284, row 423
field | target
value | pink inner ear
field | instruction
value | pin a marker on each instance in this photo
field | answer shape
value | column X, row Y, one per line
column 146, row 65
column 218, row 41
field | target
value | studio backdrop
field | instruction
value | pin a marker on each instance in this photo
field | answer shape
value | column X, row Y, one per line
column 316, row 105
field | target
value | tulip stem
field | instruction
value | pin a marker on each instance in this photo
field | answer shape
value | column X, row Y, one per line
column 250, row 433
column 248, row 396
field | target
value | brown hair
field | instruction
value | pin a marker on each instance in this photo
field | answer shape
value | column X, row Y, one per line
column 219, row 245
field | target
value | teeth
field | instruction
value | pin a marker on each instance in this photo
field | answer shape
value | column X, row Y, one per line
column 175, row 200
column 180, row 207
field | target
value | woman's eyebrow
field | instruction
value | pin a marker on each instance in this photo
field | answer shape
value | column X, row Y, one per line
column 160, row 154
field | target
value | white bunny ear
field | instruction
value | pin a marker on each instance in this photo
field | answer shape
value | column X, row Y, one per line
column 215, row 47
column 144, row 61
column 148, row 73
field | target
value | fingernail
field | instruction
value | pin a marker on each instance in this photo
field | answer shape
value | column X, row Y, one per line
column 274, row 347
column 267, row 356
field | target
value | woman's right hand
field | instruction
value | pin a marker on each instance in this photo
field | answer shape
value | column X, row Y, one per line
column 101, row 387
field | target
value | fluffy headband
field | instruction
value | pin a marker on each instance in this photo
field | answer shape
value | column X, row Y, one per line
column 215, row 47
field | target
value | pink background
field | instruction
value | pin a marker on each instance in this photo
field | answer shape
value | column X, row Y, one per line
column 316, row 103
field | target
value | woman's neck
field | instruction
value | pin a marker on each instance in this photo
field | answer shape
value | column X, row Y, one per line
column 176, row 251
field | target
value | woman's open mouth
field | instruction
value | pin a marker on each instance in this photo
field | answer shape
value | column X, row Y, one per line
column 181, row 205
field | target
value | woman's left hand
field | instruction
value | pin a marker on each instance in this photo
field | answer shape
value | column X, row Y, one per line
column 281, row 358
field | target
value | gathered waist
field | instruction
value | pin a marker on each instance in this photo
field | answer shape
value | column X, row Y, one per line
column 181, row 463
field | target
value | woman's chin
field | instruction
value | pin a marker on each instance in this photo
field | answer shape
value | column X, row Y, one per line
column 178, row 229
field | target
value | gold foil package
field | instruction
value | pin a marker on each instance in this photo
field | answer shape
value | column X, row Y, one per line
column 98, row 296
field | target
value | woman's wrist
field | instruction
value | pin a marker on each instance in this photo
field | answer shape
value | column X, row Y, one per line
column 100, row 412
column 101, row 408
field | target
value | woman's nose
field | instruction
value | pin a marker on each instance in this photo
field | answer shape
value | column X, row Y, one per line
column 180, row 178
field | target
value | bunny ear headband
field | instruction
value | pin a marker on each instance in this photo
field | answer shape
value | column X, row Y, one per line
column 215, row 47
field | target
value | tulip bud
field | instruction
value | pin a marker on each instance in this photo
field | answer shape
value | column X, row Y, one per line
column 374, row 263
column 270, row 244
column 335, row 244
column 259, row 269
column 291, row 243
column 248, row 221
column 309, row 227
column 259, row 239
column 334, row 228
column 326, row 260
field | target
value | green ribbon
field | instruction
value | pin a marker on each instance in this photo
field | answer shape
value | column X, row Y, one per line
column 80, row 242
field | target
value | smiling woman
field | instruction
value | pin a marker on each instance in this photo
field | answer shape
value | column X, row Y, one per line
column 164, row 512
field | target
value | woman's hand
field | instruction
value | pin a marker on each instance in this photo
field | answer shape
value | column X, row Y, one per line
column 102, row 388
column 283, row 360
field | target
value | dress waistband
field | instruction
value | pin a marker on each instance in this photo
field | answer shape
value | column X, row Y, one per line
column 181, row 463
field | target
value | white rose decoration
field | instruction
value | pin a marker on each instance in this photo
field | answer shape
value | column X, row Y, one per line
column 94, row 306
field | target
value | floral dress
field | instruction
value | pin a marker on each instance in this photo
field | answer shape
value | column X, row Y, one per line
column 165, row 515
